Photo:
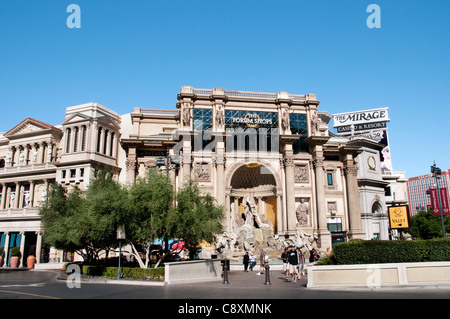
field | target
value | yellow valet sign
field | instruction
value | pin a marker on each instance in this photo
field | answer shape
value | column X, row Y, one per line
column 399, row 217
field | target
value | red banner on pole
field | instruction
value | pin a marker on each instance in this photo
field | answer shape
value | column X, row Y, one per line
column 434, row 202
column 444, row 201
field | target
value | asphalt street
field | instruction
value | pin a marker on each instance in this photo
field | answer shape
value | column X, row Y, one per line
column 39, row 284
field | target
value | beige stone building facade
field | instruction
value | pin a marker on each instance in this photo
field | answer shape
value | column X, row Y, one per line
column 269, row 155
column 33, row 155
column 268, row 159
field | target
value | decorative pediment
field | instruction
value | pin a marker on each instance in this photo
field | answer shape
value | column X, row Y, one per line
column 30, row 127
column 76, row 118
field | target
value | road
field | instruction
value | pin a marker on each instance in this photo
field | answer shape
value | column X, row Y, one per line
column 243, row 288
column 242, row 285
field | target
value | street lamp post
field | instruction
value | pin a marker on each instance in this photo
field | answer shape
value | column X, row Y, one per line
column 437, row 171
column 120, row 237
column 171, row 164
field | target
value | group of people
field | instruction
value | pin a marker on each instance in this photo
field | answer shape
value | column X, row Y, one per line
column 293, row 262
column 250, row 261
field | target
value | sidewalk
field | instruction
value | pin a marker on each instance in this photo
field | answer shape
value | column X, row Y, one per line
column 238, row 278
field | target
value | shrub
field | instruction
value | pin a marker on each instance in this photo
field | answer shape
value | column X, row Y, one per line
column 15, row 252
column 396, row 251
column 128, row 272
column 138, row 273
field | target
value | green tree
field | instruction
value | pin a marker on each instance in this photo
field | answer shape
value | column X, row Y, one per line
column 149, row 201
column 196, row 217
column 425, row 225
column 84, row 222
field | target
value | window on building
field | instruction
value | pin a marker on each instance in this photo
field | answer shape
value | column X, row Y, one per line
column 202, row 119
column 334, row 224
column 298, row 124
column 251, row 130
column 387, row 191
column 330, row 181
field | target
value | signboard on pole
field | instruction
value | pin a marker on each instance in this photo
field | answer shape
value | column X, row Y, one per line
column 444, row 201
column 398, row 217
column 434, row 202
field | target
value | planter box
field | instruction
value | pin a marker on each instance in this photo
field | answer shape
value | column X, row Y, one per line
column 193, row 271
column 379, row 275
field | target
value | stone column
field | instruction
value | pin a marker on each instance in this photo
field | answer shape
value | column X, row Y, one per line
column 102, row 140
column 220, row 168
column 320, row 191
column 93, row 133
column 41, row 153
column 108, row 143
column 3, row 201
column 32, row 186
column 186, row 162
column 38, row 246
column 355, row 227
column 17, row 195
column 290, row 195
column 279, row 213
column 6, row 249
column 26, row 160
column 22, row 247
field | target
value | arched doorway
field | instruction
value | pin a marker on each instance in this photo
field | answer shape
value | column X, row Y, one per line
column 253, row 185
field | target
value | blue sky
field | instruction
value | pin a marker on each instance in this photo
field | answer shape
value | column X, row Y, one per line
column 139, row 53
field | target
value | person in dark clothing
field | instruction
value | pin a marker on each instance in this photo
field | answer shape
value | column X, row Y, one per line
column 246, row 261
column 293, row 260
column 284, row 256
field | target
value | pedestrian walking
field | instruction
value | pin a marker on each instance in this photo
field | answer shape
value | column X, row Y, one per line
column 293, row 260
column 284, row 257
column 262, row 262
column 252, row 262
column 246, row 261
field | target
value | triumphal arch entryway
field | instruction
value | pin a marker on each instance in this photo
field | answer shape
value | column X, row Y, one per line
column 254, row 217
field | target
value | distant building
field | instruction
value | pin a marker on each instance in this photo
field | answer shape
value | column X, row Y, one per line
column 419, row 185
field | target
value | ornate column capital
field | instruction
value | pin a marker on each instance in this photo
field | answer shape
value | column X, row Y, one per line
column 351, row 169
column 318, row 161
column 130, row 164
column 219, row 159
column 288, row 162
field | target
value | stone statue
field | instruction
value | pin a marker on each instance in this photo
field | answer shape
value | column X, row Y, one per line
column 285, row 120
column 251, row 215
column 27, row 199
column 49, row 153
column 8, row 160
column 12, row 197
column 219, row 117
column 302, row 212
column 21, row 158
column 35, row 153
column 186, row 116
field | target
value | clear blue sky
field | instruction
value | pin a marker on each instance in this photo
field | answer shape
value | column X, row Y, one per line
column 139, row 53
